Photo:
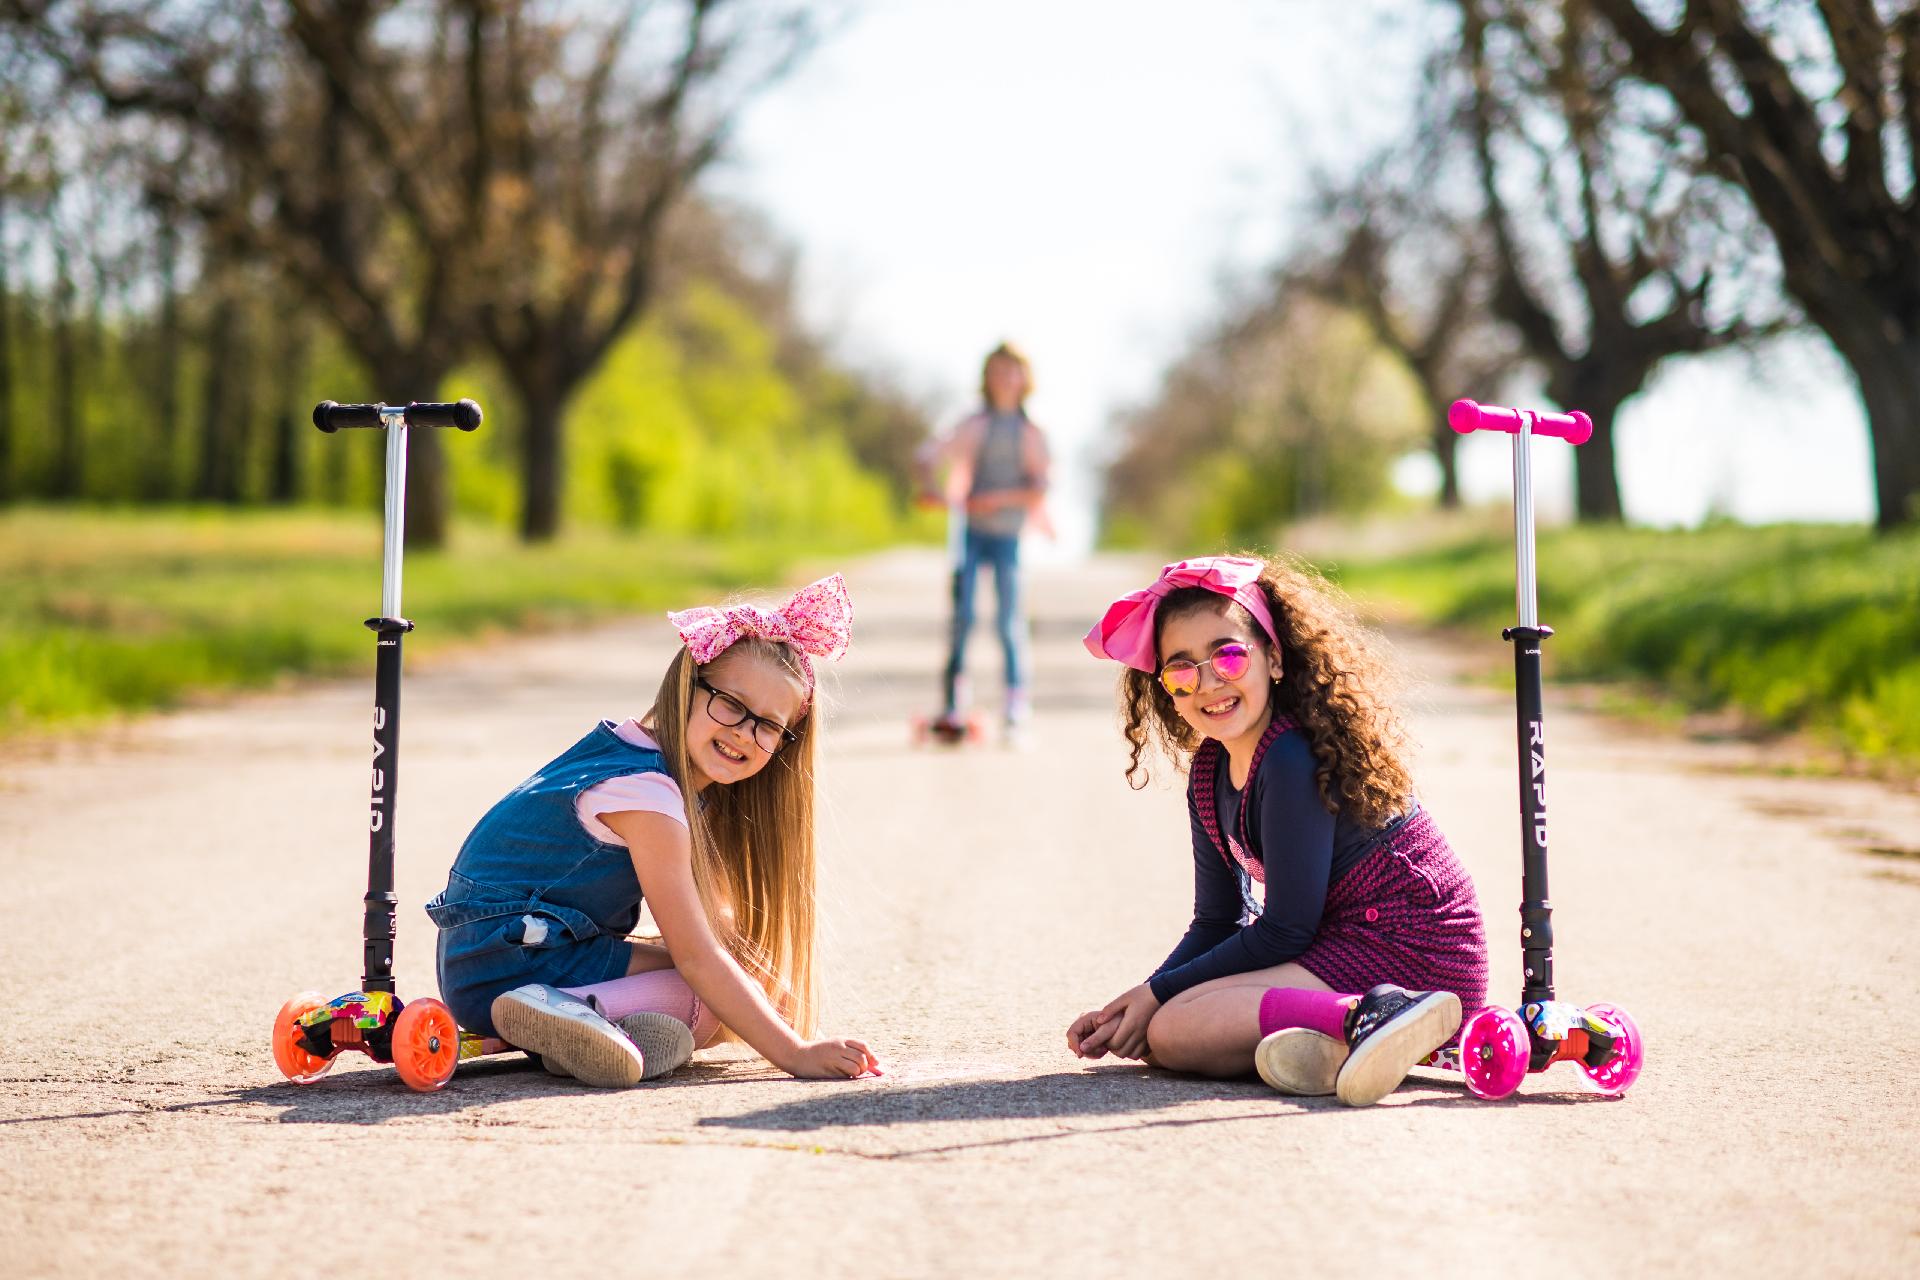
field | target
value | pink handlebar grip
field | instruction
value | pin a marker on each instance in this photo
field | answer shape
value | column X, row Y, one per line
column 1464, row 416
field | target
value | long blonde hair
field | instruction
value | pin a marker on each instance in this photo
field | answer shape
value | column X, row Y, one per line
column 753, row 842
column 1334, row 685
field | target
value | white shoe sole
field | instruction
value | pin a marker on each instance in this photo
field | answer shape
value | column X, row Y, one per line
column 664, row 1041
column 591, row 1050
column 1379, row 1063
column 1301, row 1062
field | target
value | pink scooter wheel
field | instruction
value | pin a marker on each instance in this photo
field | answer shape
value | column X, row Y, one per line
column 1623, row 1068
column 1493, row 1052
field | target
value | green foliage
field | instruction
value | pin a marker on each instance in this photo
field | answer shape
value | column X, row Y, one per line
column 701, row 421
column 1288, row 411
column 1796, row 626
column 691, row 428
column 700, row 456
column 103, row 611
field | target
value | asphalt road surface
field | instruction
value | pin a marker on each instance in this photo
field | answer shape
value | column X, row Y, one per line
column 170, row 883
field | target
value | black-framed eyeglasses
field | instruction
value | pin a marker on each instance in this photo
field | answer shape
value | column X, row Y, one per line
column 725, row 709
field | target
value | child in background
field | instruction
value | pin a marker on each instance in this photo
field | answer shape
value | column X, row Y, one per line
column 705, row 806
column 996, row 481
column 1322, row 891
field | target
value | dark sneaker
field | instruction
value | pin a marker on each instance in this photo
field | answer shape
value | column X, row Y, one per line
column 663, row 1040
column 951, row 727
column 1300, row 1062
column 1389, row 1032
column 569, row 1036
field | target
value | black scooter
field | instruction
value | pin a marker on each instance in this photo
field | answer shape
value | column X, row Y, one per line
column 418, row 1037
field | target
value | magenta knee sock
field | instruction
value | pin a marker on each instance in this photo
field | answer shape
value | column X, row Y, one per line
column 661, row 991
column 1322, row 1011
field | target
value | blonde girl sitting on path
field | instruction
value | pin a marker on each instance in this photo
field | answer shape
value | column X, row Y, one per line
column 705, row 806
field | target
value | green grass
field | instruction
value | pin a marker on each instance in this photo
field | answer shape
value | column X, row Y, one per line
column 1798, row 627
column 104, row 612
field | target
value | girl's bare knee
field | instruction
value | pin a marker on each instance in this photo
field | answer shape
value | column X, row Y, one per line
column 1167, row 1040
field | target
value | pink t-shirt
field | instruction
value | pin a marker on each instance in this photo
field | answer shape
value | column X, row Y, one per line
column 632, row 792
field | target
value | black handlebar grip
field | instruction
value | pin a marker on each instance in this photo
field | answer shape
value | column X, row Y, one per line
column 464, row 414
column 330, row 417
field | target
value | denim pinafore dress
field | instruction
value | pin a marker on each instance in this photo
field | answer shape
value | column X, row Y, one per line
column 533, row 896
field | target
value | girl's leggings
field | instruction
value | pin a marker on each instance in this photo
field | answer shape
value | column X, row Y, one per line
column 661, row 991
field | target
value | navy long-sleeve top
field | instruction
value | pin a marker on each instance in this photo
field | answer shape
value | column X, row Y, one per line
column 1304, row 850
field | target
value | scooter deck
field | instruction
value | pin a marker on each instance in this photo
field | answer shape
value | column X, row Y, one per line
column 944, row 732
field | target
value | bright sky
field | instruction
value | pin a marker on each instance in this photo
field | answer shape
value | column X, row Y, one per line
column 1084, row 178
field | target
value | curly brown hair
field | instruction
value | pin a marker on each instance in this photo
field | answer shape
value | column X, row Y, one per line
column 1333, row 684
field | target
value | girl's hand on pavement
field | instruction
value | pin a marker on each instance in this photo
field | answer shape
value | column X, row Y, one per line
column 838, row 1059
column 1128, row 1016
column 1088, row 1037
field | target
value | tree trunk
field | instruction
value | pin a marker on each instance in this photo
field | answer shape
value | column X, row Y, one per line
column 283, row 479
column 240, row 408
column 1596, row 479
column 540, row 460
column 6, row 365
column 1892, row 394
column 1599, row 395
column 216, row 404
column 427, row 490
column 334, row 464
column 1446, row 444
column 1885, row 358
column 283, row 475
column 66, row 383
column 163, row 466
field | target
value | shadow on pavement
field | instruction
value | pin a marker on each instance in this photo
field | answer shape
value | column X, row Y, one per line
column 1128, row 1095
column 377, row 1096
column 1057, row 1096
column 1120, row 1094
column 372, row 1096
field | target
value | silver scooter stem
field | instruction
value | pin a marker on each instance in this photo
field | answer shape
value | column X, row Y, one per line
column 396, row 525
column 1525, row 600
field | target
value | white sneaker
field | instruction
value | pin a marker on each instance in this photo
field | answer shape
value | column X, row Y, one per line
column 664, row 1041
column 1301, row 1062
column 568, row 1035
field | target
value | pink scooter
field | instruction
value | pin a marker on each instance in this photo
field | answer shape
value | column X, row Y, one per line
column 1498, row 1046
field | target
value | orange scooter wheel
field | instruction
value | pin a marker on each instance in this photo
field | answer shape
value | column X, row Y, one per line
column 426, row 1045
column 289, row 1054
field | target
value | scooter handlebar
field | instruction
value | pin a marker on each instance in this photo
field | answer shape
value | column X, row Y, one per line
column 462, row 414
column 331, row 417
column 1465, row 416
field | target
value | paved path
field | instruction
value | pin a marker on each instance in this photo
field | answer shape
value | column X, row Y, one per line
column 170, row 884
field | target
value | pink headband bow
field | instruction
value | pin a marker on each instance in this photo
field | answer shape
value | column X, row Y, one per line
column 1125, row 633
column 817, row 622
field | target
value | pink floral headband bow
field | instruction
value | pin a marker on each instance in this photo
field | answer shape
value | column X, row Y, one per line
column 817, row 622
column 1126, row 632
